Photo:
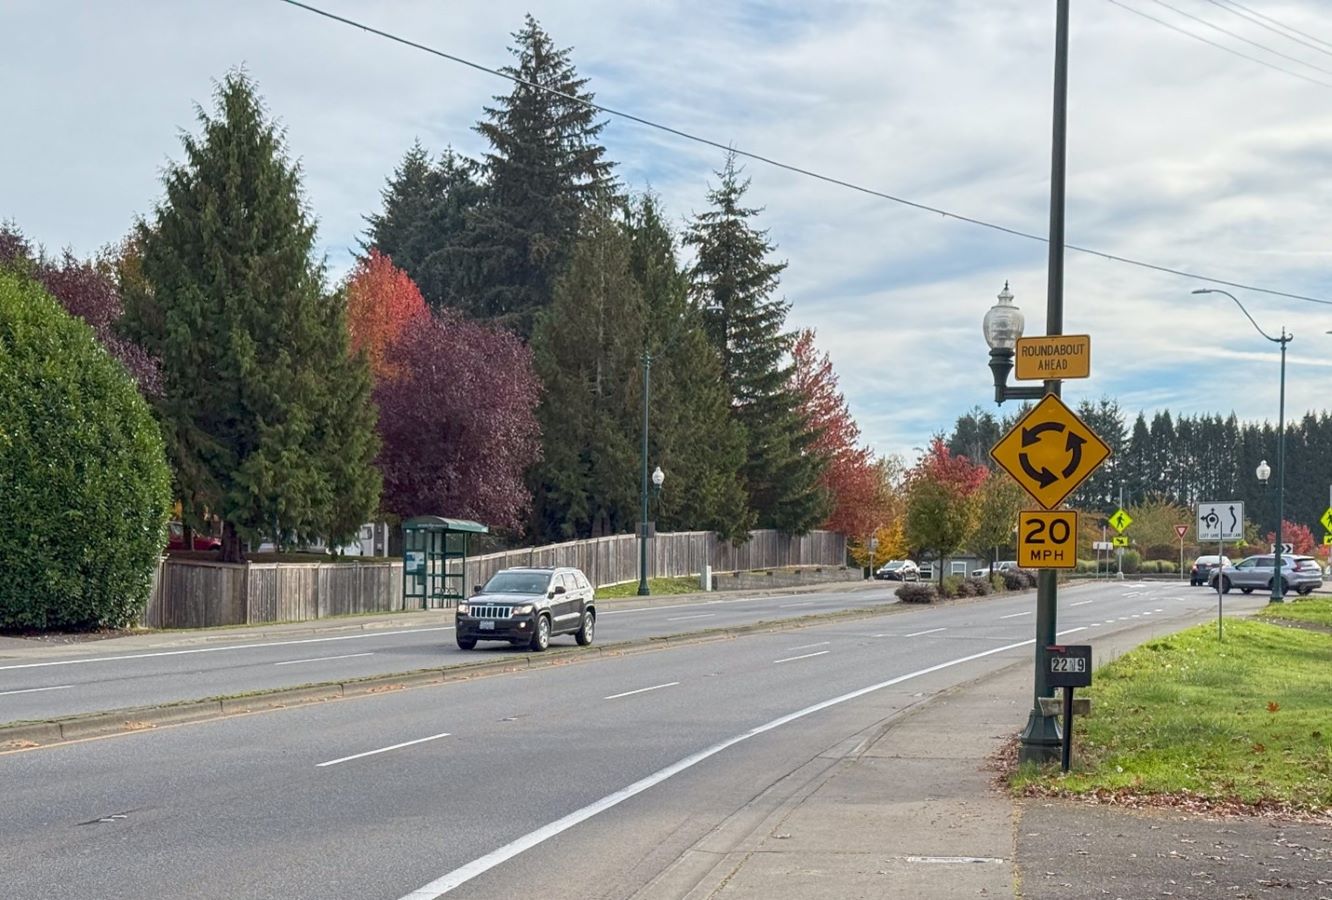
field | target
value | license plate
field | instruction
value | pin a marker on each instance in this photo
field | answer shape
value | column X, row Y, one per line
column 486, row 625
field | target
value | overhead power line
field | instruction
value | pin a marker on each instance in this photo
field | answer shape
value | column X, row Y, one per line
column 1240, row 37
column 827, row 179
column 1261, row 21
column 1223, row 47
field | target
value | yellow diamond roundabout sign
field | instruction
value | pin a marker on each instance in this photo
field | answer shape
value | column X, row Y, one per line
column 1050, row 452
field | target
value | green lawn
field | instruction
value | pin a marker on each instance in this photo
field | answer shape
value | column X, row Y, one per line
column 1317, row 610
column 1248, row 719
column 687, row 584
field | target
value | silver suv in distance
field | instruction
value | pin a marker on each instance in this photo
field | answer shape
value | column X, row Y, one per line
column 1301, row 574
column 525, row 606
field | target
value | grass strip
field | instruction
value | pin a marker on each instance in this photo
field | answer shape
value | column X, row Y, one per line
column 685, row 584
column 1314, row 610
column 1242, row 721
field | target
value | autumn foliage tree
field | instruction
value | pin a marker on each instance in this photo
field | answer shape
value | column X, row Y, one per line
column 458, row 422
column 848, row 475
column 942, row 496
column 381, row 301
column 1300, row 538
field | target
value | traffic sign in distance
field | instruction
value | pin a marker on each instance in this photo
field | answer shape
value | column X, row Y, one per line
column 1047, row 539
column 1181, row 530
column 1053, row 356
column 1102, row 545
column 1286, row 549
column 1120, row 520
column 1050, row 452
column 1221, row 520
column 1327, row 519
column 1327, row 540
column 1120, row 540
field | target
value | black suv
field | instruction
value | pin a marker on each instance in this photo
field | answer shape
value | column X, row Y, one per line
column 526, row 606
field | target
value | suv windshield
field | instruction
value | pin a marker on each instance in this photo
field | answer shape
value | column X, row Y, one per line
column 517, row 583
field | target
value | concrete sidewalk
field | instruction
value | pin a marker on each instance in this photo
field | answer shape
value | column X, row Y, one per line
column 915, row 814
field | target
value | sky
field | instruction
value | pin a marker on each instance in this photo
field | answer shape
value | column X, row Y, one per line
column 1180, row 154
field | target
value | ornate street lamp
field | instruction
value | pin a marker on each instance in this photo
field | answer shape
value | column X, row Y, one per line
column 1002, row 327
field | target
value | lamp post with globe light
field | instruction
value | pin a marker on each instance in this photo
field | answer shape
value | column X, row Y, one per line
column 1264, row 472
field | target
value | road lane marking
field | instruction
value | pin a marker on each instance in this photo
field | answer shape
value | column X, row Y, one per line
column 655, row 687
column 928, row 631
column 342, row 637
column 482, row 864
column 801, row 656
column 793, row 605
column 697, row 616
column 807, row 646
column 334, row 762
column 1015, row 615
column 292, row 662
column 1082, row 603
column 58, row 687
column 1095, row 624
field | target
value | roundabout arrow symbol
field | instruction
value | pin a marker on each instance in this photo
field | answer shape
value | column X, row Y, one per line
column 1044, row 477
column 1074, row 447
column 1033, row 434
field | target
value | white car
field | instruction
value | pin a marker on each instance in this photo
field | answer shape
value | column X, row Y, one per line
column 999, row 567
column 898, row 570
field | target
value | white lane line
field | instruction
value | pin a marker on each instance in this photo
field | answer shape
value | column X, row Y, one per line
column 655, row 687
column 1015, row 615
column 927, row 631
column 292, row 662
column 792, row 605
column 1159, row 610
column 57, row 687
column 322, row 640
column 334, row 762
column 1082, row 603
column 807, row 646
column 482, row 864
column 1095, row 624
column 1137, row 615
column 1070, row 631
column 697, row 616
column 801, row 656
column 883, row 635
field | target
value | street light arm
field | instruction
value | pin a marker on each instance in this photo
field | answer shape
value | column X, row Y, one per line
column 1284, row 339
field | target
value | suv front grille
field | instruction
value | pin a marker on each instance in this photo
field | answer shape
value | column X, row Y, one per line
column 491, row 612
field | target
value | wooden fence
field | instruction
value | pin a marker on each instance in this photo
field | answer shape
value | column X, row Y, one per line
column 197, row 593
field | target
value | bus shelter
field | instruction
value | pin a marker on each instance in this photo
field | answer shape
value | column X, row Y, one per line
column 434, row 560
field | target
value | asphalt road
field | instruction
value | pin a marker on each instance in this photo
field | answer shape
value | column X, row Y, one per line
column 574, row 781
column 173, row 666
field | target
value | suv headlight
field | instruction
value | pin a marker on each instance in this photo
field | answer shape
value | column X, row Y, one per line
column 523, row 610
column 464, row 608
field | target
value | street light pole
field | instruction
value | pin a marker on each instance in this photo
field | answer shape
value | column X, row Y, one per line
column 643, row 519
column 1278, row 574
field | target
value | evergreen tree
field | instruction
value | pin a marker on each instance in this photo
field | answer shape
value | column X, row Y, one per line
column 588, row 355
column 425, row 224
column 692, row 434
column 732, row 284
column 544, row 167
column 266, row 416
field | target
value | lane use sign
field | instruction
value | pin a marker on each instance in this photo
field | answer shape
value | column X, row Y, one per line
column 1050, row 451
column 1047, row 539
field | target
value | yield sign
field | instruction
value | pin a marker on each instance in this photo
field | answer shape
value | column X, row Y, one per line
column 1050, row 452
column 1120, row 520
column 1327, row 519
column 1181, row 530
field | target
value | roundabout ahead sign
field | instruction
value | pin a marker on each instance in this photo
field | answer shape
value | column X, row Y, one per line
column 1050, row 452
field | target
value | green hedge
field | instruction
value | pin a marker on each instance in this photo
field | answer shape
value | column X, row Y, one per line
column 84, row 485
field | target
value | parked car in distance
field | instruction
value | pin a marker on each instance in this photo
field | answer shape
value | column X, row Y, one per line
column 998, row 568
column 898, row 570
column 526, row 606
column 1201, row 573
column 176, row 539
column 1301, row 574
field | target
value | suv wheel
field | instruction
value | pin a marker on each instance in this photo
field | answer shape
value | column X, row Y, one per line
column 466, row 643
column 1225, row 585
column 584, row 635
column 541, row 636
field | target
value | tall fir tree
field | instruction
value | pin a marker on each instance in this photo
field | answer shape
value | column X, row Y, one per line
column 587, row 347
column 692, row 433
column 424, row 226
column 733, row 285
column 266, row 415
column 544, row 166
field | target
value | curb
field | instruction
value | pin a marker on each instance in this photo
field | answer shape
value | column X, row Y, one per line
column 33, row 734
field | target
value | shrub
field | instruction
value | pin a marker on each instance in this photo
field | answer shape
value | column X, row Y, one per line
column 84, row 485
column 977, row 587
column 951, row 586
column 1086, row 566
column 918, row 592
column 1132, row 562
column 1019, row 579
column 998, row 583
column 1167, row 565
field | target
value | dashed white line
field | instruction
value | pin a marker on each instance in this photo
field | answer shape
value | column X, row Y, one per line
column 334, row 762
column 1095, row 624
column 792, row 605
column 696, row 616
column 1082, row 603
column 292, row 662
column 57, row 687
column 655, row 687
column 807, row 646
column 928, row 631
column 802, row 656
column 1015, row 615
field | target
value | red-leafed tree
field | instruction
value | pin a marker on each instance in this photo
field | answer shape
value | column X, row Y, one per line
column 381, row 301
column 458, row 422
column 1299, row 537
column 942, row 501
column 849, row 475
